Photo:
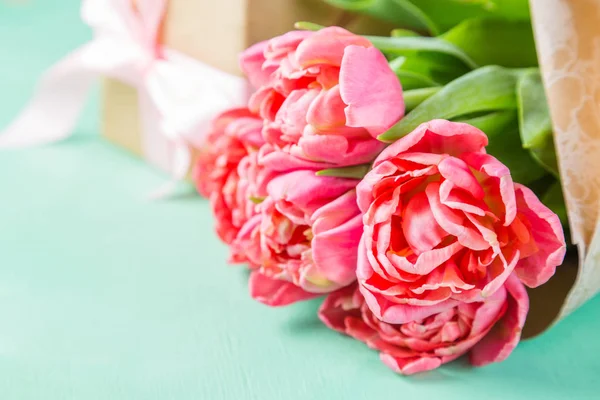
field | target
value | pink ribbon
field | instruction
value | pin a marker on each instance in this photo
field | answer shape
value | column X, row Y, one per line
column 178, row 95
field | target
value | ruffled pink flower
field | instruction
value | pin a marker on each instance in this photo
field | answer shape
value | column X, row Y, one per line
column 443, row 221
column 306, row 235
column 227, row 171
column 489, row 329
column 324, row 95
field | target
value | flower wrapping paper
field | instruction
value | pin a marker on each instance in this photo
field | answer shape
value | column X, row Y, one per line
column 568, row 45
column 214, row 33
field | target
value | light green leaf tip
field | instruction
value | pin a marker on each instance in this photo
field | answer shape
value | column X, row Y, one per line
column 308, row 26
column 352, row 172
column 256, row 200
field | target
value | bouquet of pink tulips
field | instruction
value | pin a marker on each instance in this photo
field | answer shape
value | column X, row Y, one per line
column 410, row 180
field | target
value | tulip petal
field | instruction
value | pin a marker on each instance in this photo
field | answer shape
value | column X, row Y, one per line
column 458, row 172
column 291, row 116
column 337, row 306
column 307, row 191
column 283, row 161
column 326, row 112
column 251, row 63
column 370, row 89
column 275, row 292
column 440, row 137
column 420, row 228
column 453, row 222
column 338, row 150
column 495, row 169
column 393, row 313
column 335, row 242
column 326, row 46
column 410, row 366
column 505, row 335
column 548, row 235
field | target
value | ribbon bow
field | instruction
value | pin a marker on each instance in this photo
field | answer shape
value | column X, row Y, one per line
column 178, row 95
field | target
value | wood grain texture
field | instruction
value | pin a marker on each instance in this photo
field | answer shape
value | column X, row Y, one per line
column 105, row 295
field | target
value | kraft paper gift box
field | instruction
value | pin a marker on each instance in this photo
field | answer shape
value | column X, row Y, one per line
column 215, row 32
column 568, row 43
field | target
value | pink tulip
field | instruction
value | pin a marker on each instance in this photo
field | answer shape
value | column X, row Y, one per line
column 444, row 222
column 489, row 329
column 306, row 235
column 324, row 96
column 227, row 170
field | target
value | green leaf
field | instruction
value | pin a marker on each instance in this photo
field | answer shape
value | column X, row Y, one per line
column 534, row 120
column 403, row 33
column 492, row 122
column 453, row 12
column 502, row 129
column 435, row 16
column 411, row 79
column 437, row 67
column 409, row 44
column 489, row 41
column 485, row 89
column 505, row 145
column 353, row 172
column 554, row 200
column 403, row 13
column 534, row 116
column 412, row 98
column 546, row 157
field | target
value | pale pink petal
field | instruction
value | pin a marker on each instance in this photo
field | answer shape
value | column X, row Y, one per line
column 500, row 269
column 291, row 117
column 490, row 311
column 448, row 275
column 410, row 366
column 364, row 270
column 505, row 335
column 278, row 48
column 458, row 172
column 460, row 200
column 336, row 307
column 364, row 189
column 251, row 63
column 326, row 112
column 266, row 102
column 246, row 245
column 307, row 191
column 440, row 137
column 335, row 242
column 338, row 150
column 326, row 46
column 427, row 261
column 548, row 235
column 370, row 89
column 394, row 313
column 275, row 292
column 419, row 226
column 283, row 161
column 453, row 222
column 495, row 169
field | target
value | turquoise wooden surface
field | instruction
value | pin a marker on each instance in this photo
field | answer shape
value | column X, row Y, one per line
column 106, row 295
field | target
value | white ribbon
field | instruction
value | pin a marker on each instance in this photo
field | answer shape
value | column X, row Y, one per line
column 178, row 94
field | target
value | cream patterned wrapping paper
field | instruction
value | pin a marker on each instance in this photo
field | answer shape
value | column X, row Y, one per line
column 568, row 44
